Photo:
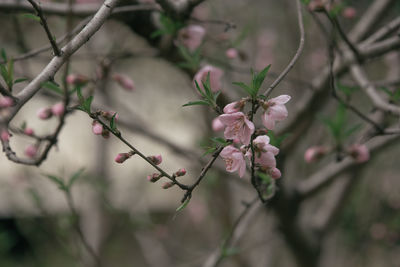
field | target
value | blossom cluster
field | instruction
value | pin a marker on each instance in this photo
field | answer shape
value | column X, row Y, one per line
column 239, row 128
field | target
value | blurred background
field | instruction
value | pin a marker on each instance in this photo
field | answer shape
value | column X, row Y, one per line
column 128, row 221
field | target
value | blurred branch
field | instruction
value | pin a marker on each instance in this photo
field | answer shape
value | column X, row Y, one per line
column 383, row 32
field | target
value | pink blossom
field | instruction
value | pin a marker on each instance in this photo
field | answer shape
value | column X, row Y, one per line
column 6, row 102
column 349, row 12
column 154, row 177
column 360, row 153
column 234, row 160
column 124, row 81
column 77, row 79
column 44, row 113
column 191, row 36
column 5, row 135
column 217, row 125
column 275, row 110
column 58, row 109
column 314, row 153
column 121, row 157
column 155, row 159
column 275, row 173
column 231, row 53
column 180, row 172
column 237, row 126
column 97, row 128
column 215, row 77
column 234, row 107
column 264, row 152
column 28, row 131
column 30, row 151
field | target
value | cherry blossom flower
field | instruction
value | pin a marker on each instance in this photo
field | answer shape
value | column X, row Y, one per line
column 275, row 110
column 6, row 102
column 124, row 81
column 314, row 153
column 234, row 107
column 264, row 152
column 215, row 77
column 237, row 126
column 231, row 53
column 360, row 153
column 234, row 160
column 44, row 113
column 31, row 151
column 58, row 109
column 191, row 36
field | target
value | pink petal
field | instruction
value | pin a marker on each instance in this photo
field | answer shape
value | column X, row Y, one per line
column 267, row 121
column 229, row 119
column 282, row 99
column 278, row 112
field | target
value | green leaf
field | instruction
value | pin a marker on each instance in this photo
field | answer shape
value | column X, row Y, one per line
column 259, row 78
column 58, row 181
column 53, row 87
column 247, row 88
column 79, row 94
column 306, row 2
column 264, row 177
column 199, row 102
column 199, row 89
column 20, row 80
column 31, row 16
column 209, row 150
column 75, row 177
column 352, row 130
column 227, row 252
column 87, row 104
column 3, row 55
column 10, row 73
column 4, row 73
column 184, row 204
column 113, row 125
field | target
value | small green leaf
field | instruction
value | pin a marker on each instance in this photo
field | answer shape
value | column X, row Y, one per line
column 199, row 102
column 259, row 78
column 31, row 16
column 352, row 130
column 247, row 88
column 3, row 55
column 264, row 177
column 79, row 94
column 227, row 252
column 87, row 104
column 184, row 204
column 53, row 87
column 113, row 125
column 75, row 177
column 58, row 181
column 199, row 89
column 20, row 80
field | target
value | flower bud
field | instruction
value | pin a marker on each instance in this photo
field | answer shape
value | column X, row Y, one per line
column 44, row 113
column 28, row 131
column 315, row 153
column 6, row 102
column 5, row 136
column 121, row 157
column 97, row 128
column 167, row 185
column 155, row 159
column 275, row 173
column 58, row 109
column 109, row 114
column 154, row 177
column 77, row 79
column 180, row 172
column 360, row 153
column 124, row 81
column 349, row 12
column 217, row 125
column 31, row 151
column 231, row 53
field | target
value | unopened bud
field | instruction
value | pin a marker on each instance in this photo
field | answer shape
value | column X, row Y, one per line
column 180, row 172
column 121, row 157
column 167, row 185
column 275, row 173
column 360, row 153
column 44, row 113
column 154, row 177
column 97, row 128
column 155, row 159
column 6, row 102
column 30, row 151
column 231, row 53
column 124, row 81
column 5, row 136
column 58, row 109
column 28, row 131
column 77, row 79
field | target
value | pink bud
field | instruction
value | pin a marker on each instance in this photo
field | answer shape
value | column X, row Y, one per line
column 28, row 131
column 58, row 109
column 44, row 113
column 155, row 159
column 167, row 185
column 217, row 125
column 349, row 12
column 124, row 81
column 105, row 134
column 154, row 177
column 109, row 114
column 275, row 173
column 121, row 157
column 77, row 79
column 5, row 136
column 315, row 153
column 231, row 53
column 180, row 172
column 30, row 151
column 97, row 128
column 6, row 102
column 360, row 153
